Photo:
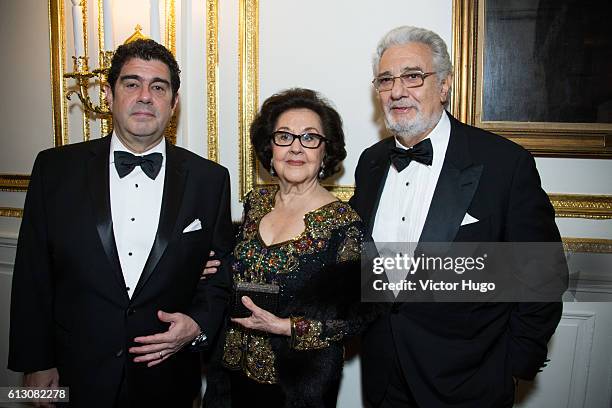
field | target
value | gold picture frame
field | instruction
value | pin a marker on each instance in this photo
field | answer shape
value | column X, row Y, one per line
column 469, row 93
column 248, row 99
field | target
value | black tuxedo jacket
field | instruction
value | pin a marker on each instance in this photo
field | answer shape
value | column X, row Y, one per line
column 69, row 306
column 463, row 354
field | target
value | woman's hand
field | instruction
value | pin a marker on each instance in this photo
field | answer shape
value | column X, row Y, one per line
column 263, row 320
column 211, row 266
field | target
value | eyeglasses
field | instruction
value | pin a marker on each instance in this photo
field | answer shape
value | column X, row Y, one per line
column 307, row 140
column 411, row 79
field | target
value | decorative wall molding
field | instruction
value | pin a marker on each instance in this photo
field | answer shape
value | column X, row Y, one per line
column 11, row 212
column 57, row 43
column 582, row 206
column 248, row 90
column 589, row 245
column 248, row 99
column 584, row 326
column 8, row 240
column 8, row 247
column 212, row 75
column 19, row 182
column 14, row 182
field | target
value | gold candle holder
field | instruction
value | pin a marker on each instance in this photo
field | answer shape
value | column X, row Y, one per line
column 105, row 58
column 82, row 75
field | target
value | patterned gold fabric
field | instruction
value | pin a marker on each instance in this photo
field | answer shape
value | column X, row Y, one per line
column 333, row 233
column 306, row 334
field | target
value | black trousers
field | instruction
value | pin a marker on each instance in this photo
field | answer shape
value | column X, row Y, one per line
column 124, row 400
column 398, row 393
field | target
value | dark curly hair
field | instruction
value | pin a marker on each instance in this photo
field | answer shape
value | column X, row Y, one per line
column 297, row 98
column 147, row 50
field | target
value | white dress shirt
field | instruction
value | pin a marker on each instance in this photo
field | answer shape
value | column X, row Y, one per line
column 135, row 208
column 406, row 197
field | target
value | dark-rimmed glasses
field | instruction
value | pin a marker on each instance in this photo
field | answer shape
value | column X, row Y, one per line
column 410, row 79
column 307, row 140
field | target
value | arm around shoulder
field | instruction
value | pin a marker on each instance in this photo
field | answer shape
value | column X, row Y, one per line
column 212, row 294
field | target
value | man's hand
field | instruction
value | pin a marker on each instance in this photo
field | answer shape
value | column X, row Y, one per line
column 263, row 320
column 211, row 266
column 42, row 379
column 160, row 346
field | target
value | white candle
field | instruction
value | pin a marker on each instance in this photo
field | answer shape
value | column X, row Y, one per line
column 77, row 28
column 154, row 16
column 107, row 11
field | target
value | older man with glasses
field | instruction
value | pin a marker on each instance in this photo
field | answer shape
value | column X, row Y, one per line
column 439, row 180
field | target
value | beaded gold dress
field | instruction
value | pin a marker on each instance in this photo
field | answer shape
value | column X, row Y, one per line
column 333, row 235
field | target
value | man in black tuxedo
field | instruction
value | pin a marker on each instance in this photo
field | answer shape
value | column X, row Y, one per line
column 439, row 180
column 106, row 296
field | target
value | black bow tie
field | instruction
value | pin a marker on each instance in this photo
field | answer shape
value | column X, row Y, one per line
column 421, row 152
column 149, row 163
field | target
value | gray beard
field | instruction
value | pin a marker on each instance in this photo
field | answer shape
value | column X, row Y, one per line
column 413, row 128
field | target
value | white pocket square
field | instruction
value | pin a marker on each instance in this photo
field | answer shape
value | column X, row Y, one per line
column 468, row 219
column 194, row 226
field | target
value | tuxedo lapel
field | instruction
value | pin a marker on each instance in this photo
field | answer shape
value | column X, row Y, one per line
column 455, row 189
column 376, row 176
column 99, row 188
column 174, row 186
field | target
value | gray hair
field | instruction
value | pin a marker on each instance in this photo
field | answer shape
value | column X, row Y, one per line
column 407, row 34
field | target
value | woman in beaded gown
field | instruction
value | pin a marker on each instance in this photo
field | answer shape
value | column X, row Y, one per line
column 301, row 237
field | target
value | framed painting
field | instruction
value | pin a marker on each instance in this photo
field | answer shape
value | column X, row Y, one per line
column 537, row 72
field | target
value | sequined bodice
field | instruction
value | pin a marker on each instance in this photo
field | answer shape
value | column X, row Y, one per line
column 333, row 233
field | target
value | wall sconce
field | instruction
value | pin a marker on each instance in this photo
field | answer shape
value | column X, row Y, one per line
column 81, row 72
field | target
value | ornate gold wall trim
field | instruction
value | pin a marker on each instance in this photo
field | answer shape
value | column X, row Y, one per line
column 248, row 98
column 14, row 182
column 11, row 212
column 248, row 89
column 590, row 245
column 170, row 39
column 566, row 205
column 57, row 46
column 101, row 45
column 464, row 30
column 212, row 75
column 582, row 206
